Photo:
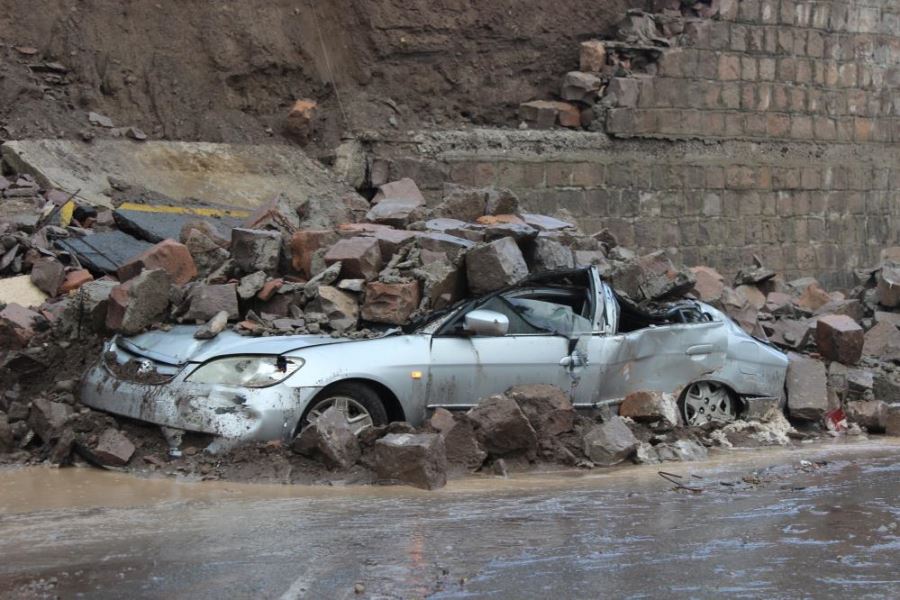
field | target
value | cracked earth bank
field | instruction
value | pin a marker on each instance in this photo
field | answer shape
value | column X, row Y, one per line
column 816, row 521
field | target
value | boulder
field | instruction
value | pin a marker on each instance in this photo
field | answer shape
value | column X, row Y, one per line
column 417, row 459
column 390, row 302
column 397, row 212
column 806, row 388
column 170, row 256
column 882, row 339
column 206, row 301
column 17, row 325
column 548, row 254
column 339, row 307
column 840, row 338
column 251, row 284
column 651, row 407
column 545, row 223
column 402, row 189
column 47, row 418
column 871, row 414
column 442, row 281
column 709, row 284
column 610, row 443
column 139, row 302
column 301, row 119
column 462, row 204
column 753, row 295
column 213, row 327
column 329, row 439
column 888, row 291
column 495, row 265
column 650, row 277
column 305, row 243
column 579, row 86
column 460, row 440
column 502, row 427
column 812, row 299
column 450, row 246
column 360, row 257
column 592, row 56
column 47, row 274
column 208, row 255
column 114, row 448
column 255, row 249
column 547, row 408
column 681, row 451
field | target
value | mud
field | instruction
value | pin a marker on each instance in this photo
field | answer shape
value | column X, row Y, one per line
column 813, row 521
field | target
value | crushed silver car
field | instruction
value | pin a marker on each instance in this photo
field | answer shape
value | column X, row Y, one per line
column 568, row 329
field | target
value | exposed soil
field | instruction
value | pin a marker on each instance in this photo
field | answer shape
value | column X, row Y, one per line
column 229, row 71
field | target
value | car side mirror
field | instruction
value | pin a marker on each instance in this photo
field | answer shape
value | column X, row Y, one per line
column 486, row 322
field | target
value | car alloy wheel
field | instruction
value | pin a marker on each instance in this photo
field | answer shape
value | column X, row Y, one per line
column 356, row 414
column 708, row 402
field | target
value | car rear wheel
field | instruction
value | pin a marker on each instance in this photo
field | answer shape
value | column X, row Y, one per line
column 359, row 404
column 708, row 402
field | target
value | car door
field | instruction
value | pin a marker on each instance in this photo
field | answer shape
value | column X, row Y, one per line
column 466, row 368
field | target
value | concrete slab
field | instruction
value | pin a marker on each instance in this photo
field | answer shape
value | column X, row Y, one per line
column 233, row 175
column 104, row 252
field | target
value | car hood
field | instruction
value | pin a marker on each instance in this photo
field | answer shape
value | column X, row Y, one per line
column 178, row 345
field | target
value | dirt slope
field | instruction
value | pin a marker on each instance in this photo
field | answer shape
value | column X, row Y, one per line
column 228, row 70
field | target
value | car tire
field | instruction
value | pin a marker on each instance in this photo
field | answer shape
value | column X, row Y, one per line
column 360, row 403
column 708, row 401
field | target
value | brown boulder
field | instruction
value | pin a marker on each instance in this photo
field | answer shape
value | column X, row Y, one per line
column 304, row 245
column 137, row 303
column 502, row 426
column 651, row 407
column 807, row 387
column 840, row 338
column 390, row 302
column 360, row 257
column 708, row 285
column 418, row 459
column 170, row 256
column 329, row 439
column 546, row 407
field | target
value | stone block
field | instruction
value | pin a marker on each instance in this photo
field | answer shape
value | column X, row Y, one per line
column 390, row 302
column 495, row 265
column 172, row 257
column 806, row 387
column 255, row 249
column 360, row 257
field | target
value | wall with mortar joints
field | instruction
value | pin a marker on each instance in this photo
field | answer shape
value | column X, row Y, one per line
column 776, row 69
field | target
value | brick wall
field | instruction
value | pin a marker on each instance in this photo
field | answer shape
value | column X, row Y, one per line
column 771, row 130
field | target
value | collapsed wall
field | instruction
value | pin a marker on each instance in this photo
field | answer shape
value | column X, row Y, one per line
column 771, row 128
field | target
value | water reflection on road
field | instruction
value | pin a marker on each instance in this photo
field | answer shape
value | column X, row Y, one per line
column 814, row 532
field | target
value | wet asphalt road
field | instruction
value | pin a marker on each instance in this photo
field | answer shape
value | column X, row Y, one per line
column 826, row 532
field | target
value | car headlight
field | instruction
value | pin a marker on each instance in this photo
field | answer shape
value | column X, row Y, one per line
column 246, row 371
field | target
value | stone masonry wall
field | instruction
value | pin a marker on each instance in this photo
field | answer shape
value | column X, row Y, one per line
column 772, row 129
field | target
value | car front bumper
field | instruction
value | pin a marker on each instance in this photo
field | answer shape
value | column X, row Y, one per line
column 236, row 413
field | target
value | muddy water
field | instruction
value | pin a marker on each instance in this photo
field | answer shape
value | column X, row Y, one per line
column 830, row 531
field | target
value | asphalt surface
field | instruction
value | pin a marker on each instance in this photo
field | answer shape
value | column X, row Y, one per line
column 816, row 521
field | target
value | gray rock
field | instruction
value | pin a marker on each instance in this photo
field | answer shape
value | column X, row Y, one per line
column 502, row 427
column 360, row 256
column 806, row 387
column 47, row 418
column 330, row 440
column 546, row 407
column 548, row 254
column 114, row 448
column 139, row 302
column 206, row 301
column 7, row 440
column 250, row 285
column 213, row 327
column 339, row 307
column 495, row 265
column 48, row 274
column 651, row 407
column 869, row 414
column 418, row 459
column 396, row 212
column 610, row 443
column 207, row 254
column 256, row 249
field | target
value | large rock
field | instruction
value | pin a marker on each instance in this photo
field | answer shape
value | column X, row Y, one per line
column 709, row 284
column 390, row 302
column 888, row 290
column 114, row 448
column 546, row 407
column 340, row 307
column 443, row 282
column 548, row 254
column 651, row 407
column 650, row 277
column 807, row 387
column 418, row 459
column 495, row 265
column 870, row 414
column 208, row 255
column 48, row 274
column 840, row 338
column 255, row 249
column 402, row 189
column 397, row 212
column 170, row 256
column 450, row 246
column 460, row 440
column 206, row 301
column 305, row 243
column 812, row 299
column 502, row 426
column 47, row 418
column 329, row 439
column 360, row 257
column 610, row 443
column 17, row 325
column 139, row 302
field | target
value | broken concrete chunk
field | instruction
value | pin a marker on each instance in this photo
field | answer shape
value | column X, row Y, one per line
column 206, row 301
column 330, row 439
column 255, row 249
column 610, row 443
column 418, row 459
column 139, row 302
column 651, row 407
column 360, row 257
column 840, row 338
column 495, row 265
column 114, row 448
column 48, row 274
column 390, row 302
column 806, row 388
column 170, row 256
column 502, row 427
column 103, row 252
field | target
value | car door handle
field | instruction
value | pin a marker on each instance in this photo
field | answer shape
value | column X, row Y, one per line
column 700, row 349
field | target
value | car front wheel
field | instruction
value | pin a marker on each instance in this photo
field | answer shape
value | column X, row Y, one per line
column 357, row 402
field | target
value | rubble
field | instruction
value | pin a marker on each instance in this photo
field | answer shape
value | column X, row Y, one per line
column 806, row 388
column 495, row 265
column 502, row 428
column 840, row 338
column 418, row 459
column 330, row 439
column 139, row 302
column 658, row 408
column 610, row 443
column 114, row 448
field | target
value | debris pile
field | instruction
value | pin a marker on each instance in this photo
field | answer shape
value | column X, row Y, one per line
column 74, row 274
